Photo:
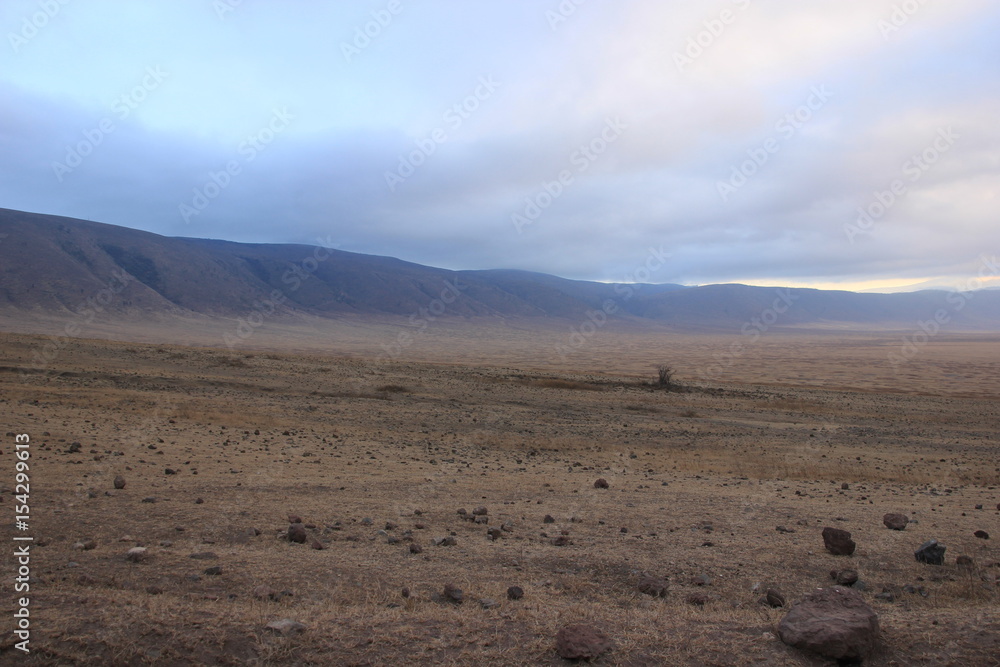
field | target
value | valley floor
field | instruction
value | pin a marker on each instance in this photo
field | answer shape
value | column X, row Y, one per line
column 799, row 432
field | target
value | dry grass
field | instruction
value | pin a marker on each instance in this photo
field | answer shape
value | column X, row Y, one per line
column 324, row 438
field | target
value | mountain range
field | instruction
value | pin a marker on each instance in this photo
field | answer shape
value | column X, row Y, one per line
column 52, row 264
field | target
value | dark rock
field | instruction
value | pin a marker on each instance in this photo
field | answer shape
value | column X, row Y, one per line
column 494, row 534
column 845, row 486
column 982, row 534
column 964, row 561
column 169, row 471
column 213, row 571
column 549, row 519
column 895, row 521
column 297, row 533
column 845, row 577
column 119, row 482
column 416, row 548
column 444, row 541
column 452, row 593
column 581, row 642
column 774, row 598
column 838, row 541
column 74, row 448
column 149, row 499
column 317, row 545
column 481, row 519
column 698, row 599
column 405, row 592
column 154, row 590
column 561, row 541
column 833, row 622
column 930, row 552
column 391, row 525
column 294, row 518
column 601, row 483
column 515, row 593
column 655, row 586
column 199, row 501
column 480, row 511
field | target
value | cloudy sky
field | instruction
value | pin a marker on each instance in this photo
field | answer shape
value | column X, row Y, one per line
column 850, row 143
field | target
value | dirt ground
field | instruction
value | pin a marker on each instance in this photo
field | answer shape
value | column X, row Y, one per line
column 218, row 447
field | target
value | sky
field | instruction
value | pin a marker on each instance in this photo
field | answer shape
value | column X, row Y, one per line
column 848, row 144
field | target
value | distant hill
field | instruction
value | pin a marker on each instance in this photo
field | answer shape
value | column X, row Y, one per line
column 51, row 264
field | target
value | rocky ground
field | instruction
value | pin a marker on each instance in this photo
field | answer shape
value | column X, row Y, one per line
column 404, row 513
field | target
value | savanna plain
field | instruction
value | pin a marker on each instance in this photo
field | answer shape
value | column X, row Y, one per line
column 472, row 467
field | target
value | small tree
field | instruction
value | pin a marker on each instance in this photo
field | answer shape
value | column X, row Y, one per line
column 666, row 376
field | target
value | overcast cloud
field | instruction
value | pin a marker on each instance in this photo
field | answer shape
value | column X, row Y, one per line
column 741, row 137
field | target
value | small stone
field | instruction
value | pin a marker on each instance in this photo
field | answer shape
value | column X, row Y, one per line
column 581, row 642
column 494, row 534
column 701, row 580
column 85, row 545
column 774, row 598
column 964, row 561
column 982, row 534
column 561, row 541
column 453, row 594
column 405, row 592
column 317, row 545
column 149, row 499
column 74, row 447
column 480, row 511
column 199, row 501
column 286, row 627
column 895, row 521
column 213, row 571
column 601, row 484
column 119, row 482
column 444, row 541
column 515, row 593
column 294, row 518
column 391, row 525
column 169, row 471
column 416, row 548
column 488, row 603
column 549, row 519
column 845, row 486
column 930, row 552
column 482, row 519
column 136, row 554
column 838, row 541
column 655, row 586
column 846, row 577
column 297, row 533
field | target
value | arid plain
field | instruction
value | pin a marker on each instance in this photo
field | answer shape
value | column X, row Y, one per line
column 798, row 431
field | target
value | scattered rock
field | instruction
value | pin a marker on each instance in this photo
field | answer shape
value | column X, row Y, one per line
column 895, row 521
column 982, row 534
column 581, row 642
column 561, row 541
column 74, row 448
column 154, row 590
column 833, row 622
column 149, row 499
column 774, row 598
column 169, row 471
column 444, row 541
column 930, row 552
column 838, row 541
column 844, row 577
column 367, row 521
column 549, row 519
column 317, row 545
column 452, row 593
column 416, row 548
column 482, row 519
column 294, row 518
column 480, row 511
column 845, row 486
column 783, row 530
column 213, row 571
column 119, row 482
column 494, row 534
column 199, row 501
column 297, row 533
column 391, row 525
column 405, row 592
column 286, row 627
column 601, row 483
column 85, row 545
column 136, row 554
column 515, row 593
column 655, row 586
column 264, row 592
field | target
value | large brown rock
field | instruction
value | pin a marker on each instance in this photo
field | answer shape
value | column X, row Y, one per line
column 119, row 482
column 895, row 521
column 834, row 622
column 581, row 642
column 838, row 541
column 297, row 533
